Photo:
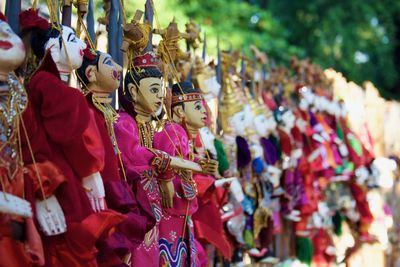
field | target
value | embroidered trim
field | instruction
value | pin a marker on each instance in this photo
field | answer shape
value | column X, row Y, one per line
column 186, row 98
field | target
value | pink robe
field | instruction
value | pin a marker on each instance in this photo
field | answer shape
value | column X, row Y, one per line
column 176, row 240
column 139, row 171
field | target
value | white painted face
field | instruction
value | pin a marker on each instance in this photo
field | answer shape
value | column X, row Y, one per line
column 272, row 123
column 237, row 123
column 333, row 107
column 207, row 138
column 261, row 125
column 12, row 50
column 288, row 119
column 325, row 104
column 212, row 86
column 303, row 105
column 308, row 95
column 69, row 56
column 317, row 103
column 248, row 116
column 301, row 124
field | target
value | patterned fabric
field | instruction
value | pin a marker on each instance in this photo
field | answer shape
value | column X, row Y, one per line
column 176, row 239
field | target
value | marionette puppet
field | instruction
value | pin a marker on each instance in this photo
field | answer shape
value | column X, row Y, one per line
column 20, row 243
column 147, row 168
column 208, row 225
column 204, row 78
column 232, row 119
column 100, row 76
column 64, row 148
column 290, row 155
column 188, row 113
column 263, row 179
column 360, row 159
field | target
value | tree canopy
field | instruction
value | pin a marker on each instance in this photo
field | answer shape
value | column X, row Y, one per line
column 359, row 37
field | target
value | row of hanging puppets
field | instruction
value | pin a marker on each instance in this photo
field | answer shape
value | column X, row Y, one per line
column 201, row 164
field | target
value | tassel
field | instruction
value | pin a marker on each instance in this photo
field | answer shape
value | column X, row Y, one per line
column 223, row 163
column 304, row 250
column 243, row 152
column 337, row 221
column 270, row 151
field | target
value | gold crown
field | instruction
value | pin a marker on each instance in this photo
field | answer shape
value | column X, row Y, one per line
column 256, row 108
column 230, row 104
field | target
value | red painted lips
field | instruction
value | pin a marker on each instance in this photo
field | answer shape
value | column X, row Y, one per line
column 5, row 45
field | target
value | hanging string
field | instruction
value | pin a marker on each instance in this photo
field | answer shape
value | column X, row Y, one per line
column 186, row 219
column 79, row 25
column 110, row 117
column 136, row 69
column 166, row 50
column 33, row 159
column 34, row 4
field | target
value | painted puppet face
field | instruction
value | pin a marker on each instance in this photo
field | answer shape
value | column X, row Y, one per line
column 261, row 125
column 288, row 119
column 196, row 114
column 68, row 55
column 248, row 116
column 107, row 74
column 12, row 50
column 237, row 123
column 149, row 97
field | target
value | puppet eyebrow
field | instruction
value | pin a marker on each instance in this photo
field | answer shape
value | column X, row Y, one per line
column 70, row 34
column 104, row 60
column 154, row 84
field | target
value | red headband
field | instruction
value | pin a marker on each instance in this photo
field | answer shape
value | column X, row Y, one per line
column 186, row 98
column 147, row 60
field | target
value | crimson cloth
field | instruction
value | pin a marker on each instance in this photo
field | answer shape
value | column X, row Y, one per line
column 285, row 142
column 207, row 220
column 61, row 130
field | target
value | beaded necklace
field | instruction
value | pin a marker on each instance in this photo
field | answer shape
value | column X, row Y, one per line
column 12, row 101
column 146, row 131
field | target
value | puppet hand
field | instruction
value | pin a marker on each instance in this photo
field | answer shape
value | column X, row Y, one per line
column 50, row 216
column 167, row 191
column 10, row 204
column 93, row 184
column 223, row 181
column 209, row 167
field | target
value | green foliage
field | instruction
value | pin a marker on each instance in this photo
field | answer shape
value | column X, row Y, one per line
column 240, row 24
column 356, row 37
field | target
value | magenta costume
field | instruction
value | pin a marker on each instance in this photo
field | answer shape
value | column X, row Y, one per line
column 176, row 236
column 137, row 161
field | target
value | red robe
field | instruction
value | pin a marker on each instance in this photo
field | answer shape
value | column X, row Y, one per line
column 62, row 131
